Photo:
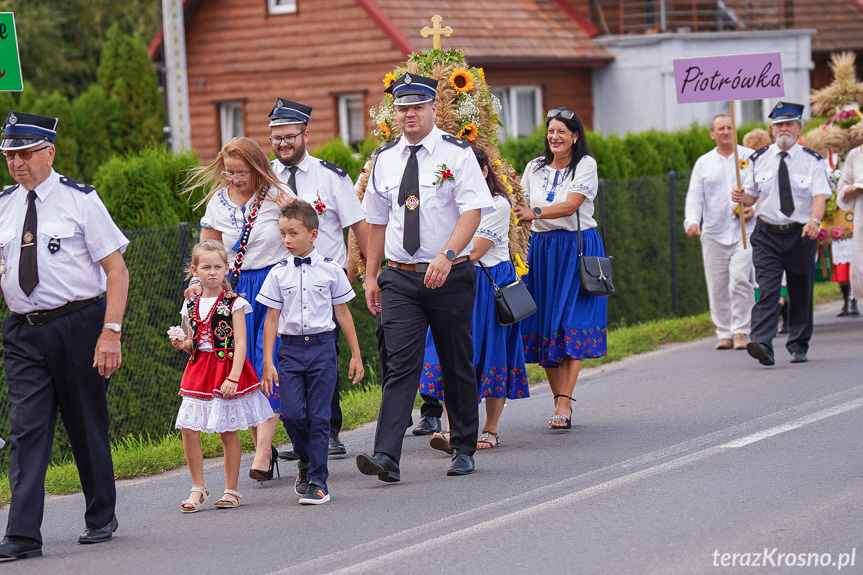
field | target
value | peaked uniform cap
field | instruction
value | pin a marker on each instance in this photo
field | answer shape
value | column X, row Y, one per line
column 288, row 112
column 412, row 89
column 786, row 112
column 22, row 130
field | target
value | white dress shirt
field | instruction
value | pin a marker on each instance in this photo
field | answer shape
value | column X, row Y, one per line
column 265, row 246
column 709, row 197
column 342, row 208
column 495, row 227
column 808, row 175
column 545, row 186
column 440, row 205
column 86, row 233
column 306, row 294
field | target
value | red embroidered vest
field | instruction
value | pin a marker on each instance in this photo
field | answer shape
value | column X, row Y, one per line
column 218, row 324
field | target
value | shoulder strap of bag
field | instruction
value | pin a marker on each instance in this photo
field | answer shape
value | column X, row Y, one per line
column 598, row 224
column 482, row 265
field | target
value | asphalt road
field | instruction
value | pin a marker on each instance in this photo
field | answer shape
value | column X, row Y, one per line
column 678, row 460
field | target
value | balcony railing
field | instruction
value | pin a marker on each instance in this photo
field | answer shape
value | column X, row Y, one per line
column 650, row 16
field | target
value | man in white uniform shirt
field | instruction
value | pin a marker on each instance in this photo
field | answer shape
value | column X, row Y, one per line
column 710, row 215
column 329, row 189
column 424, row 201
column 789, row 187
column 59, row 252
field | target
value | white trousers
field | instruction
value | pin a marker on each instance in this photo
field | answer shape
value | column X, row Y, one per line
column 857, row 275
column 728, row 271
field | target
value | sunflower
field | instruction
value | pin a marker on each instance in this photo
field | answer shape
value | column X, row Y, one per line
column 469, row 132
column 461, row 80
column 481, row 73
column 384, row 130
column 743, row 163
column 389, row 79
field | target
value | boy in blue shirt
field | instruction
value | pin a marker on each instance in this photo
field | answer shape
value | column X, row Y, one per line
column 302, row 293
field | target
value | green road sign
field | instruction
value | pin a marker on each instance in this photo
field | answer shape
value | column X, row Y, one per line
column 10, row 63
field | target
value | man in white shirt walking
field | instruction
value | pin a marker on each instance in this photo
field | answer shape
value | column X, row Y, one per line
column 710, row 215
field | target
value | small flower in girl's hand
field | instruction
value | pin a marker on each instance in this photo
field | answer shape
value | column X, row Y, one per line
column 176, row 332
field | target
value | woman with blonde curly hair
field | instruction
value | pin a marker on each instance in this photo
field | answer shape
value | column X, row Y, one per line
column 244, row 198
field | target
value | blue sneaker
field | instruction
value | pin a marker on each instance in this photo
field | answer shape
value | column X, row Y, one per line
column 316, row 494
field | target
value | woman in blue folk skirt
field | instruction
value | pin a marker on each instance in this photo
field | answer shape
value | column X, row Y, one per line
column 498, row 352
column 568, row 326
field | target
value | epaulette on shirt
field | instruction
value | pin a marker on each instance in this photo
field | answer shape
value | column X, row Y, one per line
column 75, row 184
column 282, row 263
column 813, row 152
column 9, row 190
column 386, row 146
column 457, row 141
column 328, row 259
column 340, row 171
column 757, row 153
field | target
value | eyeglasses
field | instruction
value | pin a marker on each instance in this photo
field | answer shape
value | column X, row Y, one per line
column 286, row 139
column 239, row 176
column 23, row 154
column 564, row 112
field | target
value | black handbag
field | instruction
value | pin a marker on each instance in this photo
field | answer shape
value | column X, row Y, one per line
column 594, row 271
column 513, row 302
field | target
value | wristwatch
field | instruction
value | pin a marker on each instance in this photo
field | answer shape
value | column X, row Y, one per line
column 816, row 220
column 450, row 255
column 115, row 327
column 537, row 212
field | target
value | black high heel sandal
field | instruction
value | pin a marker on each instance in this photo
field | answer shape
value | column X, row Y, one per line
column 267, row 475
column 557, row 418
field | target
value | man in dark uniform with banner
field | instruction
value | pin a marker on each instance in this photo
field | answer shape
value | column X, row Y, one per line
column 60, row 252
column 789, row 187
column 423, row 223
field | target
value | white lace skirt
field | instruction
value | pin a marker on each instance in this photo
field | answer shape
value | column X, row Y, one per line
column 219, row 415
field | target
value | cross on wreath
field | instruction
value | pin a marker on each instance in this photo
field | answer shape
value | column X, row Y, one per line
column 436, row 31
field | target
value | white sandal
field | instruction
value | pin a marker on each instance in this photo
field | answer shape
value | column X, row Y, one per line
column 225, row 503
column 189, row 505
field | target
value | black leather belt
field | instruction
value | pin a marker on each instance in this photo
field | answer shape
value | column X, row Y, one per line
column 47, row 316
column 781, row 227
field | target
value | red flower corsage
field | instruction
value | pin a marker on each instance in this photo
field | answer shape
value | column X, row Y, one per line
column 319, row 205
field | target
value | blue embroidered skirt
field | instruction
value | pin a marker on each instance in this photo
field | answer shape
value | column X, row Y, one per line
column 498, row 353
column 249, row 284
column 567, row 323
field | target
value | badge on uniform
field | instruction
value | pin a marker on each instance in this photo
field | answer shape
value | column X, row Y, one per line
column 54, row 245
column 412, row 203
column 28, row 239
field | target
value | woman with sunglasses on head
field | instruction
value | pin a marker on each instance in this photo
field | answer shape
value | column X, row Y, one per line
column 560, row 187
column 244, row 198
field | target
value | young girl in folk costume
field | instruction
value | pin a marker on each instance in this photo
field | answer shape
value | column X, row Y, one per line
column 220, row 389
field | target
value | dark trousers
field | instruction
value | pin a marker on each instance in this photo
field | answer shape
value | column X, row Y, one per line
column 335, row 403
column 409, row 309
column 50, row 367
column 431, row 407
column 775, row 251
column 307, row 366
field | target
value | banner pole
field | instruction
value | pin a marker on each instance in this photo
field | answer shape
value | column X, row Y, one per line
column 737, row 168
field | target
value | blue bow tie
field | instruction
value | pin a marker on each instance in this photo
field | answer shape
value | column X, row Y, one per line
column 299, row 261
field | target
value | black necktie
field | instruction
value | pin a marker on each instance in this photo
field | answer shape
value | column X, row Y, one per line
column 409, row 197
column 292, row 181
column 28, row 272
column 298, row 261
column 786, row 200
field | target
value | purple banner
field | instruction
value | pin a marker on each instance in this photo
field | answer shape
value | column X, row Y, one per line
column 738, row 77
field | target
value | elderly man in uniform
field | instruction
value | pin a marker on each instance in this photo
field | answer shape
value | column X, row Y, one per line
column 423, row 222
column 710, row 216
column 60, row 252
column 788, row 185
column 330, row 190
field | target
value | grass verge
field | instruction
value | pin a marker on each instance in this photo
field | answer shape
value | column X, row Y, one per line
column 142, row 456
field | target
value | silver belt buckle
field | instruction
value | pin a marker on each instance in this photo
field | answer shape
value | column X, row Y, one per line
column 421, row 267
column 28, row 317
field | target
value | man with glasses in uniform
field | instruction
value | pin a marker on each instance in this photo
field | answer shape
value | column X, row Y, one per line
column 330, row 190
column 59, row 252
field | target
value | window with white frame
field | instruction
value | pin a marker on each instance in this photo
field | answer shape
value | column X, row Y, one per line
column 231, row 120
column 520, row 110
column 282, row 6
column 352, row 116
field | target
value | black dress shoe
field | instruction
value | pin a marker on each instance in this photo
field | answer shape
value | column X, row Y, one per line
column 427, row 426
column 461, row 464
column 337, row 447
column 380, row 464
column 100, row 534
column 19, row 548
column 290, row 455
column 798, row 357
column 760, row 353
